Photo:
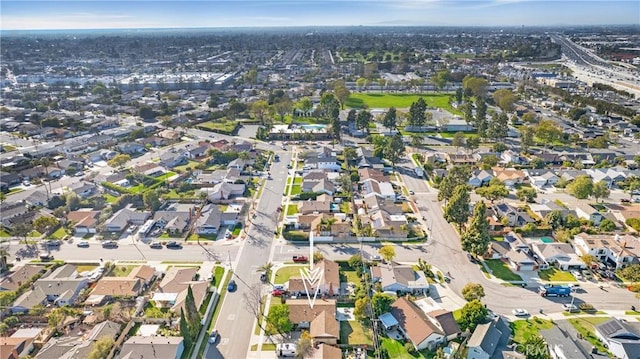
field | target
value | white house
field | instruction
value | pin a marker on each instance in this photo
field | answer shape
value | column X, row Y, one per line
column 562, row 255
column 323, row 163
column 401, row 278
column 617, row 250
column 380, row 189
column 622, row 340
column 586, row 211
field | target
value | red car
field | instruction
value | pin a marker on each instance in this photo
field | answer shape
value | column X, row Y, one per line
column 300, row 259
column 277, row 292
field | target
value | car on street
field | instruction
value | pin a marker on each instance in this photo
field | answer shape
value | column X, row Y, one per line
column 519, row 312
column 46, row 257
column 471, row 258
column 300, row 259
column 577, row 274
column 213, row 337
column 83, row 244
column 155, row 245
column 376, row 258
column 53, row 243
column 26, row 183
column 571, row 308
column 411, row 192
column 263, row 277
column 232, row 286
column 173, row 245
column 277, row 292
column 110, row 244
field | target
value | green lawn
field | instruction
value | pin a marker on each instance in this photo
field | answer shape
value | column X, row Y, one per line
column 8, row 148
column 266, row 347
column 296, row 189
column 349, row 276
column 292, row 209
column 109, row 198
column 297, row 180
column 501, row 271
column 121, row 271
column 217, row 275
column 556, row 275
column 60, row 233
column 222, row 126
column 4, row 233
column 585, row 326
column 165, row 176
column 192, row 165
column 236, row 230
column 386, row 100
column 525, row 329
column 283, row 274
column 396, row 350
column 34, row 233
column 353, row 333
column 85, row 268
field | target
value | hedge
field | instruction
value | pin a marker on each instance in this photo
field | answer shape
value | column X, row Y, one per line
column 115, row 187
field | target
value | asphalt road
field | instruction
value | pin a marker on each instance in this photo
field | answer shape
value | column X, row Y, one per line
column 234, row 321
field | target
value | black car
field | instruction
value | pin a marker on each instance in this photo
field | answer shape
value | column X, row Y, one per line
column 174, row 245
column 52, row 243
column 263, row 277
column 110, row 244
column 472, row 259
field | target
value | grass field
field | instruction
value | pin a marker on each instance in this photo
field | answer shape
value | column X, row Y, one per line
column 525, row 329
column 217, row 275
column 292, row 209
column 4, row 233
column 192, row 165
column 386, row 100
column 353, row 333
column 223, row 126
column 500, row 270
column 121, row 271
column 556, row 275
column 110, row 198
column 283, row 274
column 165, row 176
column 585, row 326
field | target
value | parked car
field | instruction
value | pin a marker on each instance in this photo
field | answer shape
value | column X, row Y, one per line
column 232, row 286
column 263, row 277
column 277, row 292
column 173, row 245
column 411, row 192
column 519, row 312
column 52, row 243
column 110, row 244
column 278, row 287
column 46, row 257
column 571, row 308
column 376, row 258
column 300, row 259
column 577, row 274
column 213, row 337
column 471, row 258
column 83, row 244
column 155, row 245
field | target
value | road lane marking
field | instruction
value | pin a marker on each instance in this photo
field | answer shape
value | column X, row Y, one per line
column 231, row 317
column 224, row 341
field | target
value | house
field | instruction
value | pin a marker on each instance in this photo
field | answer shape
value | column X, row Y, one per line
column 366, row 173
column 586, row 211
column 322, row 204
column 131, row 148
column 61, row 287
column 112, row 287
column 611, row 176
column 325, row 329
column 515, row 216
column 622, row 339
column 510, row 156
column 460, row 159
column 415, row 325
column 324, row 186
column 169, row 134
column 148, row 169
column 171, row 159
column 543, row 209
column 71, row 165
column 19, row 276
column 78, row 346
column 521, row 260
column 174, row 222
column 123, row 218
column 172, row 290
column 617, row 250
column 329, row 284
column 366, row 159
column 209, row 220
column 301, row 314
column 83, row 189
column 509, row 176
column 37, row 199
column 489, row 339
column 324, row 163
column 399, row 278
column 561, row 345
column 455, row 125
column 541, row 177
column 326, row 351
column 381, row 189
column 145, row 273
column 197, row 152
column 83, row 221
column 226, row 190
column 561, row 255
column 445, row 322
column 156, row 347
column 480, row 178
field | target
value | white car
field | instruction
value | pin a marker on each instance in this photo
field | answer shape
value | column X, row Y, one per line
column 519, row 312
column 577, row 274
column 571, row 308
column 213, row 336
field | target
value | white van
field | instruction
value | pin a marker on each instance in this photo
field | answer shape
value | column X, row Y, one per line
column 286, row 349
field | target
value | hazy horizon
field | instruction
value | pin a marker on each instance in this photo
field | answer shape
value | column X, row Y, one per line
column 203, row 14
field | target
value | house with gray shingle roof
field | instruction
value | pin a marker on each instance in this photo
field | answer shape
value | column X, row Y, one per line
column 489, row 340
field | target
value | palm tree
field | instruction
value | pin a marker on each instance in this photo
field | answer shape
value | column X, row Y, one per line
column 267, row 268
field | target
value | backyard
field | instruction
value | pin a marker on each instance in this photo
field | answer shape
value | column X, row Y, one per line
column 353, row 333
column 525, row 329
column 501, row 271
column 585, row 326
column 396, row 350
column 121, row 271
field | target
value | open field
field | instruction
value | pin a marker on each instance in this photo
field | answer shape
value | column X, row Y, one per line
column 400, row 100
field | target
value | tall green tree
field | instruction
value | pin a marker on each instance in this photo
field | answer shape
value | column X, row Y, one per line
column 457, row 208
column 151, row 199
column 278, row 319
column 527, row 134
column 581, row 187
column 459, row 94
column 504, row 99
column 472, row 143
column 548, row 131
column 363, row 120
column 481, row 117
column 536, row 347
column 184, row 330
column 416, row 116
column 473, row 291
column 458, row 140
column 381, row 303
column 192, row 313
column 457, row 176
column 352, row 115
column 477, row 85
column 472, row 314
column 476, row 238
column 260, row 110
column 600, row 190
column 390, row 119
column 394, row 150
column 499, row 127
column 494, row 191
column 387, row 252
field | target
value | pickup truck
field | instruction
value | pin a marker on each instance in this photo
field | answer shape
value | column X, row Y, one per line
column 300, row 259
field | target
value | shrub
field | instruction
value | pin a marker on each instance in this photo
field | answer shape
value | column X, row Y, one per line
column 586, row 307
column 635, row 287
column 633, row 223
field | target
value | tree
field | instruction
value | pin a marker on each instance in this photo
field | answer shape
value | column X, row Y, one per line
column 600, row 190
column 499, row 127
column 529, row 117
column 151, row 199
column 283, row 106
column 342, row 93
column 259, row 110
column 472, row 314
column 607, row 225
column 394, row 150
column 536, row 347
column 184, row 329
column 589, row 259
column 101, row 348
column 632, row 184
column 363, row 120
column 305, row 104
column 468, row 114
column 390, row 119
column 476, row 238
column 192, row 313
column 494, row 191
column 278, row 319
column 416, row 140
column 118, row 161
column 504, row 99
column 472, row 143
column 351, row 116
column 457, row 208
column 361, row 310
column 472, row 291
column 477, row 85
column 554, row 219
column 458, row 140
column 44, row 224
column 355, row 261
column 581, row 187
column 381, row 303
column 458, row 175
column 416, row 115
column 527, row 194
column 440, row 79
column 317, row 256
column 459, row 93
column 267, row 268
column 387, row 252
column 304, row 345
column 548, row 131
column 481, row 117
column 56, row 317
column 630, row 273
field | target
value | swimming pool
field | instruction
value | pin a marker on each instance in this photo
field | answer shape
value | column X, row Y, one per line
column 546, row 240
column 313, row 127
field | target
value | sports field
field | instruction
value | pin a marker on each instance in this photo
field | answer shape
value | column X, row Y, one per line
column 386, row 100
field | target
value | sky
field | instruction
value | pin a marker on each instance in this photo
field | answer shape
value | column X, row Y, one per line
column 109, row 14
